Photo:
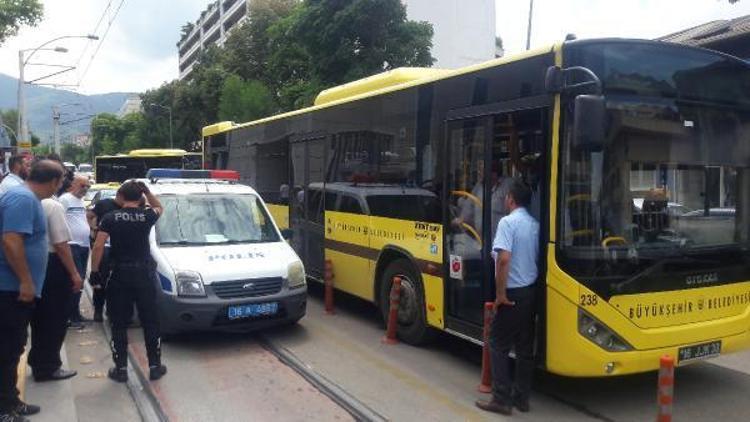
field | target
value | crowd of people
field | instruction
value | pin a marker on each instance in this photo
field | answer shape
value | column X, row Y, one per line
column 46, row 242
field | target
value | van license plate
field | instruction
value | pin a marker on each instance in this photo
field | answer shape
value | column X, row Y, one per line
column 252, row 310
column 699, row 351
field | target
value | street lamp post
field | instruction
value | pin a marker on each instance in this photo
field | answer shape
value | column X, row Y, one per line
column 528, row 28
column 23, row 129
column 169, row 109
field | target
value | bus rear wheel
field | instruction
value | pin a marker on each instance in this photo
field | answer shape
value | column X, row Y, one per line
column 412, row 323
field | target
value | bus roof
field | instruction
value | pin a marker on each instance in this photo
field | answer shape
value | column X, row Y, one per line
column 150, row 152
column 383, row 83
column 217, row 128
column 154, row 152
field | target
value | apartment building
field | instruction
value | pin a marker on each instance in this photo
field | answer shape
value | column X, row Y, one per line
column 212, row 27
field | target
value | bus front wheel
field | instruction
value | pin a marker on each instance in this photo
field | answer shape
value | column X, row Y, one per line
column 412, row 324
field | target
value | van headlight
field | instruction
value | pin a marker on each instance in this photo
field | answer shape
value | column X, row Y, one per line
column 189, row 283
column 296, row 275
column 600, row 334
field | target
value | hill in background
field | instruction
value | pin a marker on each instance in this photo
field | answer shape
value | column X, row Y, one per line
column 39, row 102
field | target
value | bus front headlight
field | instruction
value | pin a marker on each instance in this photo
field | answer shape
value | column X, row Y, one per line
column 600, row 334
column 296, row 275
column 190, row 284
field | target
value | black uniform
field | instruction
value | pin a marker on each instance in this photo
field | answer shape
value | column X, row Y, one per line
column 132, row 281
column 102, row 208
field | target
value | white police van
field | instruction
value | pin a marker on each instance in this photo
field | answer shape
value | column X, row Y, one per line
column 222, row 263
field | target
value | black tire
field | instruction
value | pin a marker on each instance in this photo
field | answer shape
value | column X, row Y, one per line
column 412, row 321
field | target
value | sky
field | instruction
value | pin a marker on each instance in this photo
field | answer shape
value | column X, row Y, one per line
column 139, row 53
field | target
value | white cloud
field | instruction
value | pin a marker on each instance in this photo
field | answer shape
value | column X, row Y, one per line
column 138, row 53
column 553, row 19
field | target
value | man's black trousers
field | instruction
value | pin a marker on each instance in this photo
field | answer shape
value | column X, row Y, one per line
column 14, row 325
column 134, row 283
column 513, row 327
column 99, row 295
column 49, row 324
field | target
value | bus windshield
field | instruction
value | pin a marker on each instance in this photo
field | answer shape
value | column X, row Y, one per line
column 665, row 203
column 214, row 219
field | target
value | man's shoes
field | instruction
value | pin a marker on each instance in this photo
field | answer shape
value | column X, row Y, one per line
column 98, row 316
column 118, row 374
column 495, row 407
column 57, row 375
column 157, row 371
column 25, row 409
column 521, row 405
column 12, row 417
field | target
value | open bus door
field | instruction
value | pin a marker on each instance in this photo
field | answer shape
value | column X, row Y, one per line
column 307, row 201
column 486, row 149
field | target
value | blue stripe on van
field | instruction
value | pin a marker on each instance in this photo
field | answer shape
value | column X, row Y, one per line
column 166, row 285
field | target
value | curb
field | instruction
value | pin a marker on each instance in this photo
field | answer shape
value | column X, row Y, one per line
column 351, row 404
column 138, row 385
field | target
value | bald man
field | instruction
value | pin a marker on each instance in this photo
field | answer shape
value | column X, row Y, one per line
column 75, row 215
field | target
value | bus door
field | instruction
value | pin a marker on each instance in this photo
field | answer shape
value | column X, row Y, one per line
column 307, row 202
column 484, row 155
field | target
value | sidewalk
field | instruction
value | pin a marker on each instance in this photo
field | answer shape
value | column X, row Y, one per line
column 89, row 396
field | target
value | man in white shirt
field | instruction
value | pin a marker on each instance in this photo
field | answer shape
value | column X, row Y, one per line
column 75, row 215
column 61, row 283
column 19, row 169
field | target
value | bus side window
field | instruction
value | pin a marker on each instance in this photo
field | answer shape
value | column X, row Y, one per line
column 314, row 206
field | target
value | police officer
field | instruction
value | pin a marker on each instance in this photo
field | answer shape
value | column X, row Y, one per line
column 132, row 279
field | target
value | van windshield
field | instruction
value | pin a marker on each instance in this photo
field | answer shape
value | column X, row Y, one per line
column 212, row 219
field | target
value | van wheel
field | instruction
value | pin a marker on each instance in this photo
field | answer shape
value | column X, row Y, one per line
column 412, row 323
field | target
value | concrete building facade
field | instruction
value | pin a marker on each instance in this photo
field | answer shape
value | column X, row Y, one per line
column 132, row 104
column 464, row 31
column 212, row 27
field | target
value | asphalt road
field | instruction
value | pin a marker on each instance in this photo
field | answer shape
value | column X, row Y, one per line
column 223, row 377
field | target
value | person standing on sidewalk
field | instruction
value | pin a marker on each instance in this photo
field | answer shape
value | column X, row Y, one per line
column 19, row 170
column 61, row 283
column 102, row 208
column 75, row 214
column 517, row 247
column 133, row 276
column 23, row 262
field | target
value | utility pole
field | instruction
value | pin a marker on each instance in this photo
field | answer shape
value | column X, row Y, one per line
column 56, row 128
column 528, row 29
column 21, row 130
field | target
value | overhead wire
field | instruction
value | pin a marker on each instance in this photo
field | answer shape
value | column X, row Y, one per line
column 96, row 30
column 101, row 41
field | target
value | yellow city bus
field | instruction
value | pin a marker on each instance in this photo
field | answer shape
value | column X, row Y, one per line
column 135, row 164
column 638, row 155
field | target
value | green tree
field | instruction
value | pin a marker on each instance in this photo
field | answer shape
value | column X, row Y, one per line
column 243, row 101
column 15, row 13
column 74, row 153
column 106, row 134
column 329, row 42
column 248, row 48
column 9, row 118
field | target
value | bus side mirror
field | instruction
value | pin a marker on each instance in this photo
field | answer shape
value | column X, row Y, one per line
column 589, row 124
column 287, row 234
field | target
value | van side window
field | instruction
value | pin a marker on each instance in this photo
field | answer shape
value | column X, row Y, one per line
column 330, row 204
column 350, row 204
